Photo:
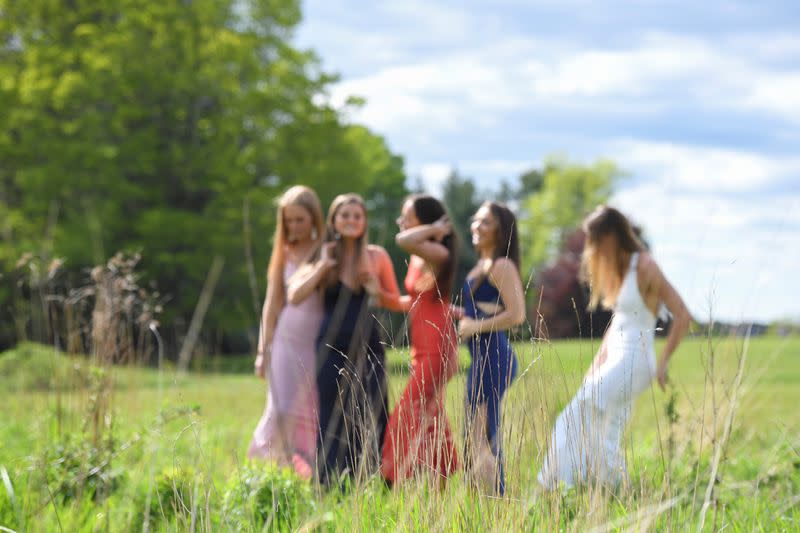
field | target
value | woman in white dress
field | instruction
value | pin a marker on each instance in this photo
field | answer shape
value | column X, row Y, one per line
column 586, row 443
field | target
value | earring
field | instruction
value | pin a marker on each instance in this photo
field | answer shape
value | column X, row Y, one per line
column 313, row 234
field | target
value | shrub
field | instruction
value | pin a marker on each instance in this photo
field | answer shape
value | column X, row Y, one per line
column 266, row 495
column 31, row 366
column 77, row 468
column 175, row 493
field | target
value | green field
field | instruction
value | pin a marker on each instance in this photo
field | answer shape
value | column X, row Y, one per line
column 199, row 425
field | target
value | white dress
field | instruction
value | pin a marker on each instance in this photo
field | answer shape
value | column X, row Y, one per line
column 586, row 444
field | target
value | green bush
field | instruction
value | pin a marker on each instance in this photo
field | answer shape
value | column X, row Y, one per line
column 267, row 496
column 31, row 366
column 76, row 468
column 175, row 493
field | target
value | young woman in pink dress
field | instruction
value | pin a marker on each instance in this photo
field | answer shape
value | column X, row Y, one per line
column 286, row 355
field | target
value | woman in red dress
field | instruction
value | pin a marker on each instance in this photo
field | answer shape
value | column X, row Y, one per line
column 418, row 437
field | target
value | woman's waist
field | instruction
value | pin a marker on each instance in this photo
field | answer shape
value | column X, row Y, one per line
column 340, row 331
column 491, row 343
column 297, row 323
column 629, row 338
column 426, row 324
column 622, row 330
column 500, row 335
column 622, row 348
column 304, row 312
column 433, row 341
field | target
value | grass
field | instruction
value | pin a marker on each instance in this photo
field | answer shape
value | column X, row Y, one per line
column 201, row 423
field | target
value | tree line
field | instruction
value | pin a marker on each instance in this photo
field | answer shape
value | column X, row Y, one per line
column 168, row 128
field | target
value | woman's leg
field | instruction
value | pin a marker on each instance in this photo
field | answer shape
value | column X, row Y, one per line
column 502, row 370
column 403, row 432
column 330, row 416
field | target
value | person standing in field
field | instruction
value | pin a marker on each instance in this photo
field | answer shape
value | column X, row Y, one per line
column 493, row 301
column 286, row 432
column 586, row 443
column 351, row 373
column 418, row 437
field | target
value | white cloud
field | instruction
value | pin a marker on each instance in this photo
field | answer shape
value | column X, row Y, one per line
column 737, row 252
column 657, row 71
column 778, row 47
column 710, row 169
column 776, row 93
column 704, row 122
column 434, row 174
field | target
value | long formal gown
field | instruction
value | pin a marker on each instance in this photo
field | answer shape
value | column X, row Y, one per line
column 351, row 382
column 586, row 443
column 493, row 368
column 291, row 379
column 418, row 436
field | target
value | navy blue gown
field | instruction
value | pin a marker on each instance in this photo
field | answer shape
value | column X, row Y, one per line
column 351, row 381
column 493, row 368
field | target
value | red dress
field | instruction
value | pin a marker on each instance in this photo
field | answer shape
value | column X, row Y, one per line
column 418, row 435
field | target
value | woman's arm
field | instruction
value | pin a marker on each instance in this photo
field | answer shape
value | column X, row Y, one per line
column 273, row 303
column 304, row 282
column 383, row 286
column 417, row 241
column 681, row 319
column 505, row 276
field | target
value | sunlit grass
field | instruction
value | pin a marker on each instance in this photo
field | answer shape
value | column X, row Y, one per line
column 204, row 421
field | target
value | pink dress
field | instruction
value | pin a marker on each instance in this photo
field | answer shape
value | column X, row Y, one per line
column 291, row 379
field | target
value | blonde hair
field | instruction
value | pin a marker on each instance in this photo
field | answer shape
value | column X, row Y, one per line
column 605, row 274
column 300, row 196
column 331, row 235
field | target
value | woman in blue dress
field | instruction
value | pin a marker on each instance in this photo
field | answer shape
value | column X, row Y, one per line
column 493, row 301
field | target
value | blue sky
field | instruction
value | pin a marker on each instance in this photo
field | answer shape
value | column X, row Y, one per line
column 699, row 102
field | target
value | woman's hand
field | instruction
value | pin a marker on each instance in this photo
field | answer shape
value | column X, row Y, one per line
column 327, row 256
column 457, row 312
column 370, row 283
column 442, row 228
column 467, row 328
column 261, row 364
column 661, row 375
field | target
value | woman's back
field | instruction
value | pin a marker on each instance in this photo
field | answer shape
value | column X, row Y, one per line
column 633, row 322
column 431, row 323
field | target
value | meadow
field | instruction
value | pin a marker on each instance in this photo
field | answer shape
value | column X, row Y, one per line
column 719, row 450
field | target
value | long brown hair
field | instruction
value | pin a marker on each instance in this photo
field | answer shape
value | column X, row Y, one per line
column 506, row 239
column 428, row 210
column 304, row 197
column 331, row 235
column 605, row 274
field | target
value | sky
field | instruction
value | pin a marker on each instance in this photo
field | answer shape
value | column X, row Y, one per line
column 698, row 103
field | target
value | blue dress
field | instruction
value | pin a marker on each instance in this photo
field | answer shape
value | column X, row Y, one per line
column 351, row 381
column 493, row 368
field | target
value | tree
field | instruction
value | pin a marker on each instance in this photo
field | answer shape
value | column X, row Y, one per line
column 560, row 308
column 567, row 194
column 168, row 128
column 529, row 182
column 549, row 217
column 460, row 196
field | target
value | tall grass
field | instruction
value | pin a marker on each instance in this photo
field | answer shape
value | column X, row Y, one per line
column 88, row 444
